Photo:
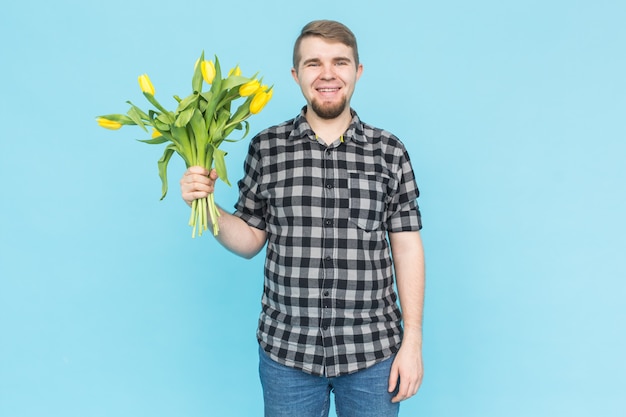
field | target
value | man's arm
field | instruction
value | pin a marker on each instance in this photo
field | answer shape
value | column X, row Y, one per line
column 408, row 258
column 235, row 234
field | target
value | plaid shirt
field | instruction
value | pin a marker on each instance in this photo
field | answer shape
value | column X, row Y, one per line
column 329, row 305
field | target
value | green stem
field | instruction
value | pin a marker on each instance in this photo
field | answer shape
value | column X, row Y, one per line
column 203, row 220
column 215, row 214
column 194, row 204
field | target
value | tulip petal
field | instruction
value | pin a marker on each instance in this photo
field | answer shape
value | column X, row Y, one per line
column 208, row 71
column 145, row 84
column 249, row 88
column 108, row 124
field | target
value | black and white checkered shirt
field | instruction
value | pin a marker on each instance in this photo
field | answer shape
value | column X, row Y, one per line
column 329, row 305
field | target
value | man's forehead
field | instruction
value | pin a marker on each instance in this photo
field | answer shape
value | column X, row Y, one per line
column 314, row 47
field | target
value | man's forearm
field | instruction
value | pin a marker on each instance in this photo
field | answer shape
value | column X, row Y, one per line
column 239, row 237
column 408, row 257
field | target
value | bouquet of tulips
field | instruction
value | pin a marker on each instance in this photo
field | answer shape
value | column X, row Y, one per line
column 199, row 125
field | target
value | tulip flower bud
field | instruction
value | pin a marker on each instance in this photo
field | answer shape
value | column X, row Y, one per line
column 235, row 71
column 208, row 71
column 249, row 88
column 108, row 124
column 260, row 100
column 146, row 84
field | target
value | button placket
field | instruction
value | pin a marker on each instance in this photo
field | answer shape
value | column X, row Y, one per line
column 328, row 244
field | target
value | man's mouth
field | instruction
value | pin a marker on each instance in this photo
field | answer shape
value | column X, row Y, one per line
column 328, row 90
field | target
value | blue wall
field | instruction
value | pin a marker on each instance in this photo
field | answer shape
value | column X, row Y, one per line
column 514, row 113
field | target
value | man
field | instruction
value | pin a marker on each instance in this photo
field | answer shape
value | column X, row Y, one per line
column 332, row 197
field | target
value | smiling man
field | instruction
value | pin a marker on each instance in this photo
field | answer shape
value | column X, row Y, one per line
column 327, row 73
column 334, row 199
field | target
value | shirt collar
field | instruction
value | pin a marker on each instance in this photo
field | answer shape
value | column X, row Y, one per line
column 354, row 133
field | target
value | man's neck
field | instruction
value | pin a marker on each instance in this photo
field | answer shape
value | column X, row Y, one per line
column 329, row 130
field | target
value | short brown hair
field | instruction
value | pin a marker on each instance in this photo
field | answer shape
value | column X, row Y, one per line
column 329, row 30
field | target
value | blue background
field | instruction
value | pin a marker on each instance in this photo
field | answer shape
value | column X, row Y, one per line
column 514, row 114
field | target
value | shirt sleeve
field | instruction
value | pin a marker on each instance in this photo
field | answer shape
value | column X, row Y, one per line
column 250, row 207
column 403, row 214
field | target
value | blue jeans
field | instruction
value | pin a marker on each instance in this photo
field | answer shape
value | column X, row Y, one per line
column 289, row 392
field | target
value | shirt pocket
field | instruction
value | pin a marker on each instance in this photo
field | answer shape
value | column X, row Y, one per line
column 368, row 200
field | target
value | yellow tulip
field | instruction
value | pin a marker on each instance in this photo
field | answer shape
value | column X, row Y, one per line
column 155, row 133
column 108, row 124
column 260, row 100
column 208, row 71
column 249, row 88
column 146, row 84
column 235, row 71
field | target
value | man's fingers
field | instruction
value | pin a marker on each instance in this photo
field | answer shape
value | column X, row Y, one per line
column 403, row 392
column 393, row 378
column 196, row 183
column 407, row 389
column 197, row 170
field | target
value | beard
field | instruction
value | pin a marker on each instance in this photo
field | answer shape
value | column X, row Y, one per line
column 329, row 111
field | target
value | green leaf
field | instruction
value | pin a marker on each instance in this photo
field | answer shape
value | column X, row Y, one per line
column 181, row 139
column 154, row 141
column 202, row 106
column 209, row 115
column 120, row 118
column 196, row 81
column 199, row 127
column 207, row 95
column 162, row 164
column 217, row 81
column 234, row 81
column 238, row 126
column 220, row 164
column 201, row 136
column 163, row 119
column 158, row 105
column 187, row 102
column 184, row 117
column 243, row 111
column 136, row 117
column 160, row 126
column 143, row 115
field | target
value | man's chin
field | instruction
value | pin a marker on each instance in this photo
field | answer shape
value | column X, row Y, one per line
column 328, row 111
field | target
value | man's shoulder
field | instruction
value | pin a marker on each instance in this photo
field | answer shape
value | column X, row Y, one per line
column 279, row 131
column 379, row 136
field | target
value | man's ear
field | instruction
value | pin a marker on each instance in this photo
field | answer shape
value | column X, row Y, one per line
column 294, row 74
column 359, row 71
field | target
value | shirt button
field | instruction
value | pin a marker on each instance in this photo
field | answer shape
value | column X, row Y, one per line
column 329, row 185
column 329, row 222
column 328, row 258
column 326, row 293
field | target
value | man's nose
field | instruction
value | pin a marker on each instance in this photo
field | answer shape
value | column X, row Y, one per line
column 328, row 72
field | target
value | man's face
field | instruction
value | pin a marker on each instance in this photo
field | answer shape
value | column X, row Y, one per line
column 327, row 74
